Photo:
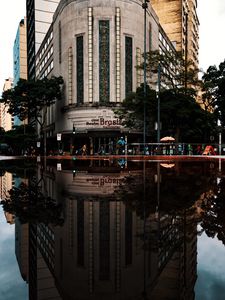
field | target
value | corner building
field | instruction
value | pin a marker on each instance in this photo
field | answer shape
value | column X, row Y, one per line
column 95, row 46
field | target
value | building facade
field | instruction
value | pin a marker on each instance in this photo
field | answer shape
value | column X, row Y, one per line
column 180, row 21
column 95, row 47
column 20, row 57
column 7, row 120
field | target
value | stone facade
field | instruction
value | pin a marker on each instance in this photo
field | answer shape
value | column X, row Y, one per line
column 96, row 46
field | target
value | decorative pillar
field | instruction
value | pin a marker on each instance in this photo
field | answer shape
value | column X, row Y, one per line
column 90, row 54
column 138, row 63
column 118, row 55
column 70, row 75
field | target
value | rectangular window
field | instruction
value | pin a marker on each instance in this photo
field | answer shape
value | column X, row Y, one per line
column 128, row 65
column 104, row 62
column 60, row 43
column 80, row 69
column 150, row 36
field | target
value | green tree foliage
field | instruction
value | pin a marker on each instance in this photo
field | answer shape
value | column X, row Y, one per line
column 175, row 71
column 131, row 111
column 28, row 98
column 214, row 90
column 180, row 114
column 20, row 138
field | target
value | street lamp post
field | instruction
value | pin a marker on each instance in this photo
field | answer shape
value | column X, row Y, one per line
column 158, row 104
column 145, row 6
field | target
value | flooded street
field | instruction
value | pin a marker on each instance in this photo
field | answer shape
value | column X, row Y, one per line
column 112, row 229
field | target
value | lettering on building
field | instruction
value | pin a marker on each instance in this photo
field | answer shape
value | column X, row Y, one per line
column 105, row 123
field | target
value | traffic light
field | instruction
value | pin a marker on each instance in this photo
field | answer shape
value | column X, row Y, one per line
column 74, row 129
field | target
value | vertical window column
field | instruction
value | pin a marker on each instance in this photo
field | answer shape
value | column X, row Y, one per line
column 118, row 55
column 90, row 54
column 70, row 75
column 128, row 65
column 104, row 62
column 60, row 43
column 150, row 36
column 138, row 63
column 80, row 69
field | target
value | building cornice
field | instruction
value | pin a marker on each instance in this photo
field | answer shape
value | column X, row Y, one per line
column 107, row 3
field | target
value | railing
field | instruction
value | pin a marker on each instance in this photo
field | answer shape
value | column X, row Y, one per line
column 172, row 149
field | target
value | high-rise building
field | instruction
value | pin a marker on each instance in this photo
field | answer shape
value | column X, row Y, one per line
column 6, row 119
column 180, row 21
column 20, row 57
column 39, row 18
column 20, row 53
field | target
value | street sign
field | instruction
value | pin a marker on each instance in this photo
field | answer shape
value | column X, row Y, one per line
column 59, row 136
column 38, row 144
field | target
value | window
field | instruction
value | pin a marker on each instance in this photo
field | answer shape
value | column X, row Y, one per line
column 60, row 43
column 128, row 65
column 104, row 62
column 80, row 69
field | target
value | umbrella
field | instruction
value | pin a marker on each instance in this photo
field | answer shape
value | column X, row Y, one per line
column 167, row 165
column 167, row 139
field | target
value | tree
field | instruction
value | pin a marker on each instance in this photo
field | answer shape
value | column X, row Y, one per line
column 20, row 138
column 183, row 117
column 131, row 111
column 214, row 90
column 28, row 98
column 174, row 71
column 180, row 114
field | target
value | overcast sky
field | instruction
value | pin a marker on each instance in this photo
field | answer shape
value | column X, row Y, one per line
column 212, row 25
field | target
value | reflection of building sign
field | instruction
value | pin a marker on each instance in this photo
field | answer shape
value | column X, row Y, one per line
column 100, row 181
column 105, row 123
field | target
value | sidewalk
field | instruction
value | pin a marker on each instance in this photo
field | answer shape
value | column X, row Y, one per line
column 137, row 157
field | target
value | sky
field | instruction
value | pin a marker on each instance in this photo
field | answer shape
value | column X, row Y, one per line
column 212, row 24
column 211, row 15
column 12, row 286
column 211, row 277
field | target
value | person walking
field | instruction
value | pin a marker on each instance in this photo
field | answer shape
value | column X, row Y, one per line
column 190, row 149
column 84, row 150
column 120, row 145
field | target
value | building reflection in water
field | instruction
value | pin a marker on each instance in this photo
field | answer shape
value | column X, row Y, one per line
column 107, row 230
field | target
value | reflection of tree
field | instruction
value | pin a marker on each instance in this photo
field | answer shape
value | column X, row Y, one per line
column 23, row 168
column 178, row 191
column 213, row 213
column 29, row 204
